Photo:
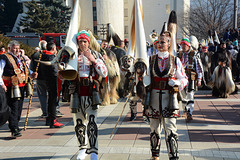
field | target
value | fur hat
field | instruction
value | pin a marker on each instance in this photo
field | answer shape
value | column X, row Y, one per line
column 194, row 42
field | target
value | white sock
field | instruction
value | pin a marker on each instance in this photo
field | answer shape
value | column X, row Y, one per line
column 94, row 156
column 82, row 154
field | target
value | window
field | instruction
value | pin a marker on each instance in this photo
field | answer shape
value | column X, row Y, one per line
column 57, row 41
column 125, row 12
column 49, row 38
column 125, row 29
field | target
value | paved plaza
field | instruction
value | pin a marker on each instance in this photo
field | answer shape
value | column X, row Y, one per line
column 214, row 134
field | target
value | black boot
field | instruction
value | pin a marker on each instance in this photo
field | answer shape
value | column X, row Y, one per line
column 133, row 116
column 16, row 133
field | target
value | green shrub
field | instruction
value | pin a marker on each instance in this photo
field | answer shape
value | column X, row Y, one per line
column 5, row 40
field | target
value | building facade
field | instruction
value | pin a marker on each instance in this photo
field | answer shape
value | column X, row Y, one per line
column 95, row 14
column 156, row 12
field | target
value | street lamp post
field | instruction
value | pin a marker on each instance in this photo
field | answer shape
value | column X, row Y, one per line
column 235, row 14
column 175, row 5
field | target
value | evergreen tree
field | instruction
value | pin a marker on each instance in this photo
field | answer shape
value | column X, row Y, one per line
column 45, row 17
column 38, row 19
column 60, row 14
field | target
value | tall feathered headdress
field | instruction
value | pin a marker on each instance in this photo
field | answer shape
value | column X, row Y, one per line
column 112, row 34
column 172, row 27
column 164, row 28
column 138, row 40
column 70, row 70
column 216, row 39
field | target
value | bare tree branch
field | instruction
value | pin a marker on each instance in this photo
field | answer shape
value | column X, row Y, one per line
column 214, row 15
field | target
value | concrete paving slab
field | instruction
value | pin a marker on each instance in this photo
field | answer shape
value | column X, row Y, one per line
column 204, row 145
column 126, row 143
column 115, row 156
column 211, row 135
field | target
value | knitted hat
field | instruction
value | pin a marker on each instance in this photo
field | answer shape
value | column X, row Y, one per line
column 83, row 35
column 155, row 42
column 185, row 41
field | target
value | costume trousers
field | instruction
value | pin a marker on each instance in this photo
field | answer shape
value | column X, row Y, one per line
column 42, row 94
column 16, row 108
column 86, row 129
column 133, row 104
column 160, row 120
column 190, row 101
column 170, row 129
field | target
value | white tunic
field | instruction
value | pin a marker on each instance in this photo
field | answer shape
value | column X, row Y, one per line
column 84, row 67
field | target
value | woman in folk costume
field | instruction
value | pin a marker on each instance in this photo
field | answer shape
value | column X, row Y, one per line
column 90, row 67
column 167, row 77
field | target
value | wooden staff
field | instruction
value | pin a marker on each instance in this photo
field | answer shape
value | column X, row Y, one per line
column 30, row 99
column 123, row 108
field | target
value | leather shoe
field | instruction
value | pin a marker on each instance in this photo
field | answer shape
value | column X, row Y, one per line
column 16, row 133
column 155, row 158
column 56, row 124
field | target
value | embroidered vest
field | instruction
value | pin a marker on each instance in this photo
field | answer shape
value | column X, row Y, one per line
column 190, row 69
column 159, row 80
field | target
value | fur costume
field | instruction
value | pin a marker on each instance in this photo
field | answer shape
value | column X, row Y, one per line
column 126, row 63
column 223, row 84
column 119, row 53
column 137, row 72
column 112, row 81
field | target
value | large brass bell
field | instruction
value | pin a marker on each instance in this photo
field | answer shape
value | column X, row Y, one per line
column 29, row 90
column 191, row 85
column 173, row 101
column 74, row 105
column 15, row 92
column 95, row 100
